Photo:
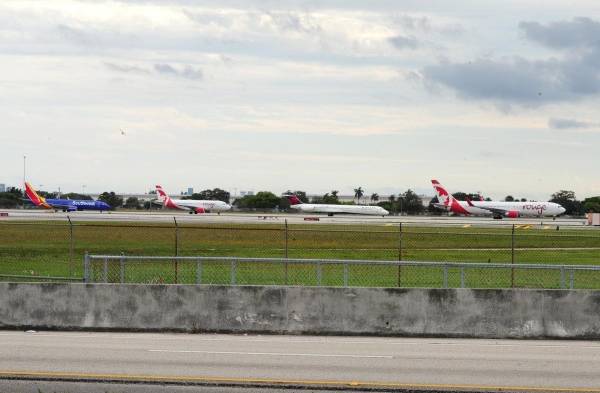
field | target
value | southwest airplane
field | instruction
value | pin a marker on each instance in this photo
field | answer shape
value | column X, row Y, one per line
column 495, row 209
column 191, row 205
column 296, row 203
column 66, row 205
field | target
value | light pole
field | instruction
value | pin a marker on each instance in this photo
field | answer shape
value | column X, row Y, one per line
column 24, row 160
column 83, row 188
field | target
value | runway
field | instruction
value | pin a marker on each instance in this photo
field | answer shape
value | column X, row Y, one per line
column 302, row 361
column 168, row 216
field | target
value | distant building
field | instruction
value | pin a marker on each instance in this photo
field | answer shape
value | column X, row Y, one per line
column 2, row 187
column 190, row 191
column 244, row 193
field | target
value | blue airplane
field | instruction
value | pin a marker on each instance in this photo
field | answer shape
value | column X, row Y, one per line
column 66, row 205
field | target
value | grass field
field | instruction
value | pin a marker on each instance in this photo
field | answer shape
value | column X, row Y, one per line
column 44, row 249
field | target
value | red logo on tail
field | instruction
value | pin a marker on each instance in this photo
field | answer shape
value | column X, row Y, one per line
column 294, row 200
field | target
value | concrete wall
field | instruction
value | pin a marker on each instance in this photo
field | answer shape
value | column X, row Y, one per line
column 303, row 310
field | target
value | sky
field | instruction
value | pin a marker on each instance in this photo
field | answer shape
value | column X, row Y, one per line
column 499, row 97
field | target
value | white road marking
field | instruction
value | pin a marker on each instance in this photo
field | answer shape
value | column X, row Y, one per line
column 316, row 355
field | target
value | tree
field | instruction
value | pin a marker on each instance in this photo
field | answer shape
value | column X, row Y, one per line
column 567, row 199
column 132, row 203
column 12, row 198
column 215, row 194
column 462, row 196
column 411, row 203
column 431, row 207
column 112, row 199
column 48, row 195
column 74, row 195
column 263, row 200
column 509, row 198
column 592, row 205
column 358, row 193
column 374, row 197
column 331, row 198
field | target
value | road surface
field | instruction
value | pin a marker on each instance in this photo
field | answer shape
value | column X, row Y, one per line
column 314, row 362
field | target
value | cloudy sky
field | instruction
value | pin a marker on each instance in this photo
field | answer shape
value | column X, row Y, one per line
column 500, row 97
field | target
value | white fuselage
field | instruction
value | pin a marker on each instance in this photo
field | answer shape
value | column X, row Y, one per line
column 209, row 205
column 524, row 209
column 348, row 209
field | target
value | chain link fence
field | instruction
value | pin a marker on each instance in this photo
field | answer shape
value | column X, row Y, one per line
column 54, row 250
column 333, row 272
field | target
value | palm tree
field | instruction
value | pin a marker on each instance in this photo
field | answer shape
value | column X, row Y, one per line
column 392, row 199
column 374, row 197
column 358, row 193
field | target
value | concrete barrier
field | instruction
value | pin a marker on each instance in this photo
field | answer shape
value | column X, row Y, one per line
column 303, row 310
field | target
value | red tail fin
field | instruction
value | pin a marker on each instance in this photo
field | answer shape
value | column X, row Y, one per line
column 34, row 197
column 294, row 200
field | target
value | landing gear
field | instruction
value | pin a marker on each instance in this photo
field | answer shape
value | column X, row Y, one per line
column 497, row 217
column 330, row 214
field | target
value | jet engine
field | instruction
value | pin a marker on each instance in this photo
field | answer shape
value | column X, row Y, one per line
column 512, row 214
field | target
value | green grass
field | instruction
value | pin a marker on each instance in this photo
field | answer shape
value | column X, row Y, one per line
column 44, row 249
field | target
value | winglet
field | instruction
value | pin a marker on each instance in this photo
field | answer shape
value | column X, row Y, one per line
column 469, row 202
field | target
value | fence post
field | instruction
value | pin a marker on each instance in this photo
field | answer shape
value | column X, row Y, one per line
column 286, row 251
column 233, row 272
column 571, row 279
column 319, row 273
column 399, row 254
column 198, row 271
column 86, row 267
column 462, row 276
column 512, row 256
column 122, row 268
column 562, row 277
column 445, row 276
column 345, row 274
column 71, row 247
column 176, row 250
column 105, row 270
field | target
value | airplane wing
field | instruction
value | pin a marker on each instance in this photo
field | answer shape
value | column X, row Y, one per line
column 494, row 210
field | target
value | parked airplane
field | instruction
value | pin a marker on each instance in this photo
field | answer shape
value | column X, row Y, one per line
column 191, row 205
column 66, row 205
column 296, row 203
column 496, row 209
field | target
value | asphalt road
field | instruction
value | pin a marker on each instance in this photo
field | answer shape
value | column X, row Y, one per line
column 314, row 362
column 259, row 218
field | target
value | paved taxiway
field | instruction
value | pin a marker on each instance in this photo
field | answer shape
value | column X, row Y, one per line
column 455, row 364
column 260, row 218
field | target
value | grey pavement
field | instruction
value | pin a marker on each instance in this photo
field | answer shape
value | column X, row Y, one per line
column 455, row 364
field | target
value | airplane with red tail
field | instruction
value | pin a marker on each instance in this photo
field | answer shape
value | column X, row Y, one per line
column 297, row 204
column 498, row 210
column 193, row 206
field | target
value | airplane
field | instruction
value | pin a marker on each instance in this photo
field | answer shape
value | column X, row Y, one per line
column 497, row 210
column 66, row 205
column 191, row 205
column 296, row 203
